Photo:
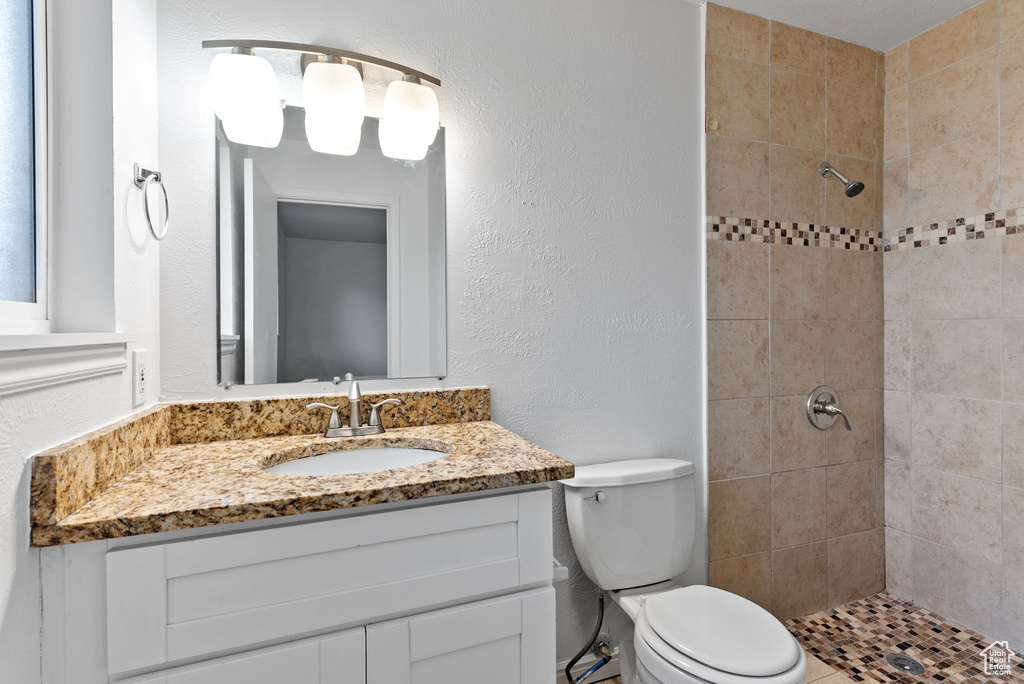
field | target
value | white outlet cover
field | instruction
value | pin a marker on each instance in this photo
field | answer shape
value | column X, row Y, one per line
column 139, row 384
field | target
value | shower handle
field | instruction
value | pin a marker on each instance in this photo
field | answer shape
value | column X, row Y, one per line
column 823, row 408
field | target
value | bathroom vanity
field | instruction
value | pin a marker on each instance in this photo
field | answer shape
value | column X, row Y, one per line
column 197, row 566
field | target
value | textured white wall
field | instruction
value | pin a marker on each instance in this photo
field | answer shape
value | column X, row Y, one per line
column 575, row 237
column 32, row 422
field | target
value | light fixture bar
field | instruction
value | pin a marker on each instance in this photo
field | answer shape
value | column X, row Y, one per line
column 320, row 50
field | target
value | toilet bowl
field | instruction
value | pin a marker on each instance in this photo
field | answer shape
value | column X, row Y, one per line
column 632, row 525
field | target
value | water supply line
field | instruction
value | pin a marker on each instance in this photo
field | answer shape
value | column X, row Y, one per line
column 603, row 650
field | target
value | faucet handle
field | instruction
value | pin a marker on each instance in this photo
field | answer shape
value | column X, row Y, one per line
column 375, row 414
column 335, row 421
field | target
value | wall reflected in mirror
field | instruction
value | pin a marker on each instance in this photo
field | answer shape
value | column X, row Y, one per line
column 329, row 264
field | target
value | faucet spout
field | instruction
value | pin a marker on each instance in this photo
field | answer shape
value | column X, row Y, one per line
column 355, row 399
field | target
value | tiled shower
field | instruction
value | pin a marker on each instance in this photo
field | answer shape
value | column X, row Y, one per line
column 907, row 299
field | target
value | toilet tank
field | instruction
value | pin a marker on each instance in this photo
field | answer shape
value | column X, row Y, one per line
column 632, row 522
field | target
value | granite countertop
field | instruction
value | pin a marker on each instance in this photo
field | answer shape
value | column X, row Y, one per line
column 182, row 486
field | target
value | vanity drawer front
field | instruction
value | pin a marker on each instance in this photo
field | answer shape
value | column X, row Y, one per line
column 205, row 596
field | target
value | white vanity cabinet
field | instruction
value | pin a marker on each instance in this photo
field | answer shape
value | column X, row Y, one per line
column 438, row 591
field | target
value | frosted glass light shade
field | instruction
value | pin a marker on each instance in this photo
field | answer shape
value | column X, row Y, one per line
column 335, row 91
column 245, row 96
column 326, row 136
column 258, row 127
column 410, row 120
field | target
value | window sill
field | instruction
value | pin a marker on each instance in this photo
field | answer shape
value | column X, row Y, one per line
column 32, row 362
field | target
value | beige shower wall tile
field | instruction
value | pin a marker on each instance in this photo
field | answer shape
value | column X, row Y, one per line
column 851, row 212
column 896, row 65
column 798, row 282
column 955, row 103
column 797, row 356
column 737, row 97
column 1013, row 606
column 956, row 511
column 854, row 284
column 746, row 576
column 798, row 507
column 737, row 34
column 1012, row 170
column 899, row 486
column 894, row 203
column 896, row 269
column 967, row 33
column 850, row 63
column 797, row 110
column 738, row 438
column 1013, row 276
column 800, row 580
column 898, row 353
column 1013, row 359
column 852, row 120
column 896, row 112
column 954, row 180
column 850, row 496
column 880, row 72
column 797, row 49
column 737, row 280
column 847, row 446
column 962, row 436
column 739, row 517
column 854, row 355
column 898, row 429
column 737, row 177
column 1013, row 445
column 958, row 357
column 855, row 566
column 1013, row 528
column 797, row 188
column 1011, row 77
column 899, row 564
column 795, row 443
column 737, row 359
column 960, row 280
column 958, row 586
column 1011, row 16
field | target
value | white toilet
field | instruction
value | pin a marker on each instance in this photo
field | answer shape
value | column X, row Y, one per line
column 632, row 524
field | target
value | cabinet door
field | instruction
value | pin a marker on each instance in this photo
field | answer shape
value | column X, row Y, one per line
column 508, row 640
column 334, row 659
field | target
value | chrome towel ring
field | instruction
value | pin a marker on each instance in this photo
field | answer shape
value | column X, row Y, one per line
column 143, row 178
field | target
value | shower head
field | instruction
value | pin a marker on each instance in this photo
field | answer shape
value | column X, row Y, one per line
column 853, row 188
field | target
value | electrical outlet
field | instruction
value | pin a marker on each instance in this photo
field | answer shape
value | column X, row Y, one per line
column 138, row 377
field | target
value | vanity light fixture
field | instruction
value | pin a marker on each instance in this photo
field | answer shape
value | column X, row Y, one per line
column 333, row 95
column 245, row 96
column 410, row 121
column 335, row 101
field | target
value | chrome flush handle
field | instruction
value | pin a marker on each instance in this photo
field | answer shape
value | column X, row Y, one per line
column 823, row 408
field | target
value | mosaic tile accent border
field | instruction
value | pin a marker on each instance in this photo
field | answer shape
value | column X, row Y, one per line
column 992, row 224
column 762, row 231
column 856, row 637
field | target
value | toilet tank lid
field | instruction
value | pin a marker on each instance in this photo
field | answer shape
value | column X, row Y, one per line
column 620, row 473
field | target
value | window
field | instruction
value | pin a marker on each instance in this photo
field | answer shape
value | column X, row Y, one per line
column 22, row 168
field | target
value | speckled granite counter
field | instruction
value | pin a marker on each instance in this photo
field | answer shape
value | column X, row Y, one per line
column 137, row 477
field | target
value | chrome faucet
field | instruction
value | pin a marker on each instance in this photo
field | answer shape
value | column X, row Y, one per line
column 823, row 408
column 355, row 422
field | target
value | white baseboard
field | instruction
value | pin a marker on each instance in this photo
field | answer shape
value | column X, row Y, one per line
column 586, row 662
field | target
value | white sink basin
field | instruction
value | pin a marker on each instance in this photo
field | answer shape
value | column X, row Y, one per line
column 352, row 461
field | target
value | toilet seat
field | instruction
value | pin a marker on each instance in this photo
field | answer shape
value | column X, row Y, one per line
column 716, row 637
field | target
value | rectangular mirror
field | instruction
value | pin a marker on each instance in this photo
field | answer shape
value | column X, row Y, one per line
column 329, row 264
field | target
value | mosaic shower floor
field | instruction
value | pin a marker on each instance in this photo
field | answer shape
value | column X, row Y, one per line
column 855, row 638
